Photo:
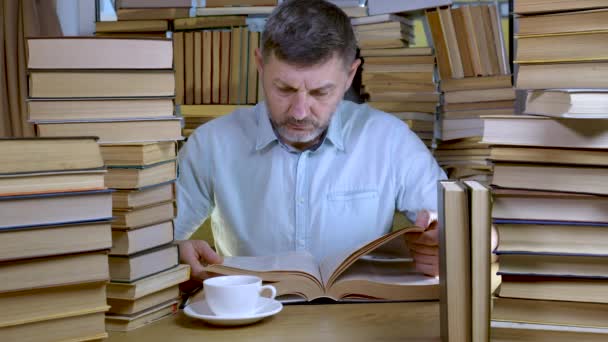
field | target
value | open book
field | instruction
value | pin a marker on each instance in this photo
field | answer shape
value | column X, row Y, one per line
column 378, row 270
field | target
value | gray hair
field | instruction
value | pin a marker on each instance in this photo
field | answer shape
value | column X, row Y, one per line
column 309, row 32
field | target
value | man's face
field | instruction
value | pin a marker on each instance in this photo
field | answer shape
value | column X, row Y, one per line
column 301, row 100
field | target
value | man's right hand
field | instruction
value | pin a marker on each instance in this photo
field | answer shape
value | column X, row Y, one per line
column 197, row 254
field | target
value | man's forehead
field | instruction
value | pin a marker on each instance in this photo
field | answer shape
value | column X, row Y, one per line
column 315, row 76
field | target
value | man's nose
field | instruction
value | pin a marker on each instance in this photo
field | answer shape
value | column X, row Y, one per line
column 299, row 105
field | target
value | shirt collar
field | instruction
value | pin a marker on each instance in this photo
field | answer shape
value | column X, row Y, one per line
column 267, row 135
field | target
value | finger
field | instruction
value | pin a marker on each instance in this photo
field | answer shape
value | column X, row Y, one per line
column 422, row 219
column 426, row 259
column 423, row 249
column 428, row 238
column 206, row 254
column 430, row 270
column 188, row 255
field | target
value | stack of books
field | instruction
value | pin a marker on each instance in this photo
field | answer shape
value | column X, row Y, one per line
column 137, row 132
column 54, row 238
column 395, row 78
column 550, row 179
column 475, row 80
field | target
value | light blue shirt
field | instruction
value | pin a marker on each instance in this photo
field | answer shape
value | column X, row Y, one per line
column 264, row 197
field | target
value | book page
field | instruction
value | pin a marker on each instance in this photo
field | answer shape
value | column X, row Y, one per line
column 333, row 265
column 302, row 262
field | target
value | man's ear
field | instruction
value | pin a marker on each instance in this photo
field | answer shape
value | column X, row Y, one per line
column 352, row 72
column 259, row 60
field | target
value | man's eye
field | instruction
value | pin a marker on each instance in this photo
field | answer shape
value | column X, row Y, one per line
column 319, row 93
column 286, row 90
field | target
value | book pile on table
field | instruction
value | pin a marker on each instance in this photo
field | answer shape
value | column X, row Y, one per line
column 475, row 80
column 551, row 177
column 54, row 239
column 396, row 78
column 120, row 90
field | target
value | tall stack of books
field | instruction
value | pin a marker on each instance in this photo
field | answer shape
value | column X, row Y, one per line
column 395, row 78
column 551, row 179
column 54, row 238
column 120, row 90
column 475, row 81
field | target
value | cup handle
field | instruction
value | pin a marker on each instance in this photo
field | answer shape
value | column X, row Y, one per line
column 272, row 289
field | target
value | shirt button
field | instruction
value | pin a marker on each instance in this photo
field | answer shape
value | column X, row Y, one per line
column 301, row 200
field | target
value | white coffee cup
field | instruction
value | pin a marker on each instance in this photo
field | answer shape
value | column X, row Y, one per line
column 235, row 295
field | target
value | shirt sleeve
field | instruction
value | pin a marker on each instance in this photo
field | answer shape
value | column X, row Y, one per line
column 417, row 174
column 193, row 189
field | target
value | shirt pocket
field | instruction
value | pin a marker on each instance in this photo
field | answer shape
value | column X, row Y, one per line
column 351, row 216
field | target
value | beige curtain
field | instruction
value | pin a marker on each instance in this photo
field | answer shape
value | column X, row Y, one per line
column 20, row 19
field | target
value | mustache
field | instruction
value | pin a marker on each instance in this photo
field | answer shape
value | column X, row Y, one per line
column 303, row 122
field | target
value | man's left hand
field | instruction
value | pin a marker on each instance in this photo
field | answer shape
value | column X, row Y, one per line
column 424, row 246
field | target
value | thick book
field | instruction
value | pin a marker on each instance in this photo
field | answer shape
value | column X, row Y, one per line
column 480, row 223
column 86, row 326
column 209, row 22
column 563, row 178
column 545, row 132
column 138, row 154
column 554, row 288
column 35, row 155
column 52, row 182
column 234, row 10
column 528, row 332
column 99, row 53
column 580, row 75
column 117, row 132
column 591, row 315
column 149, row 285
column 102, row 109
column 550, row 48
column 228, row 3
column 454, row 262
column 136, row 198
column 131, row 241
column 132, row 26
column 367, row 273
column 143, row 216
column 564, row 22
column 577, row 266
column 547, row 206
column 46, row 241
column 476, row 83
column 153, row 3
column 153, row 13
column 564, row 238
column 568, row 103
column 140, row 319
column 136, row 176
column 129, row 307
column 96, row 83
column 26, row 274
column 526, row 154
column 28, row 306
column 543, row 6
column 140, row 265
column 22, row 211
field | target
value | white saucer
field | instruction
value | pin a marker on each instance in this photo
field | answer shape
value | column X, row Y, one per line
column 266, row 307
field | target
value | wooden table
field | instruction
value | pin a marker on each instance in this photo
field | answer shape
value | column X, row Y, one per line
column 367, row 322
